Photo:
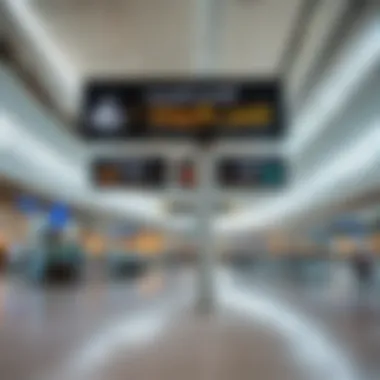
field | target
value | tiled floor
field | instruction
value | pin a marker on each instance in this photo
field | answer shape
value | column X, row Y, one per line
column 150, row 330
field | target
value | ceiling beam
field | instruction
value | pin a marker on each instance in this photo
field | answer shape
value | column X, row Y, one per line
column 349, row 19
column 297, row 36
column 208, row 35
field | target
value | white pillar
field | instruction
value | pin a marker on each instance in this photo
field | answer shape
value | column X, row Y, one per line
column 209, row 27
column 204, row 233
column 208, row 38
column 208, row 35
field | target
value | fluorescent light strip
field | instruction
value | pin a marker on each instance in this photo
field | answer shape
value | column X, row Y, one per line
column 34, row 30
column 7, row 133
column 350, row 162
column 337, row 88
column 37, row 153
column 55, row 168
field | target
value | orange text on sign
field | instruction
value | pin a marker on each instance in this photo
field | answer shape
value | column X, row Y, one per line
column 188, row 117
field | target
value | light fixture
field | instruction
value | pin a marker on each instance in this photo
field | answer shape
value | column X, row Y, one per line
column 8, row 135
column 23, row 13
column 337, row 87
column 354, row 159
column 39, row 154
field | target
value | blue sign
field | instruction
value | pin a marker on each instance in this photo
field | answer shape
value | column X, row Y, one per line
column 59, row 216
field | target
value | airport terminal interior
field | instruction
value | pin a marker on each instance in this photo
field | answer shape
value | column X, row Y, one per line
column 190, row 190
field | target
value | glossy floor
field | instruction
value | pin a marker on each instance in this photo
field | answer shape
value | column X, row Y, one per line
column 149, row 329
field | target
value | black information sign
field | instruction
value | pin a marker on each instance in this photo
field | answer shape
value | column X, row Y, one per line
column 152, row 109
column 138, row 172
column 262, row 173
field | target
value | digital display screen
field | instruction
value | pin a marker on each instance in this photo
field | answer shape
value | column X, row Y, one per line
column 138, row 172
column 260, row 173
column 182, row 108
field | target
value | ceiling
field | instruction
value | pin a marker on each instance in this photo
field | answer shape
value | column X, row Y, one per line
column 64, row 42
column 150, row 36
column 83, row 38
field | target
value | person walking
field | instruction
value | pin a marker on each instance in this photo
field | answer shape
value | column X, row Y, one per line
column 363, row 268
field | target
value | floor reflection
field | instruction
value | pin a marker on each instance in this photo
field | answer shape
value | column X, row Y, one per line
column 148, row 329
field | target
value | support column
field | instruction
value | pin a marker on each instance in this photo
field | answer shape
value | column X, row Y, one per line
column 209, row 22
column 204, row 233
column 208, row 38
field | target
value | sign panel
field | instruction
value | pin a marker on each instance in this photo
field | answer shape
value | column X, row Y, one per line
column 258, row 173
column 130, row 172
column 153, row 109
column 188, row 207
column 59, row 216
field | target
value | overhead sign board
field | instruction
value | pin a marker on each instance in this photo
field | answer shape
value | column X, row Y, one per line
column 178, row 108
column 129, row 172
column 251, row 172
